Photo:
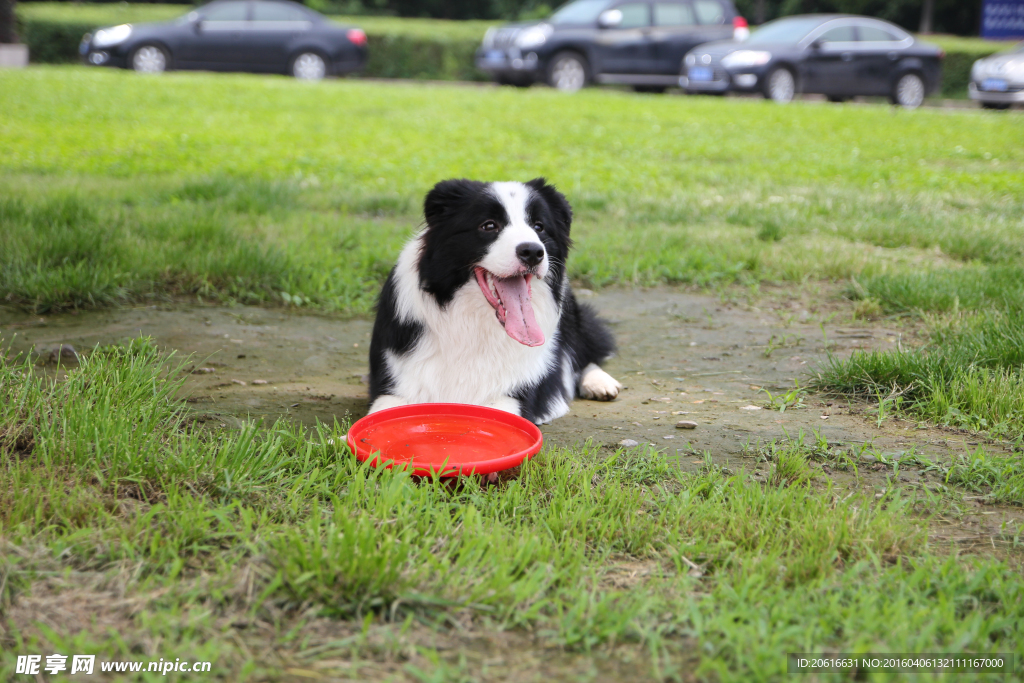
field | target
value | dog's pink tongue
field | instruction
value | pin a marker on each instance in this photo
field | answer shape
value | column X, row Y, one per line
column 520, row 323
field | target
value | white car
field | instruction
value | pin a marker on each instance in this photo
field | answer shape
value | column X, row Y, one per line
column 998, row 81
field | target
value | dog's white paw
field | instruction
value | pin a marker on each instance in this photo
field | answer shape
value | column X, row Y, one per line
column 387, row 401
column 598, row 385
column 509, row 405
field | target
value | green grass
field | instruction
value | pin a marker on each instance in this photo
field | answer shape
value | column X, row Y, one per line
column 325, row 182
column 224, row 540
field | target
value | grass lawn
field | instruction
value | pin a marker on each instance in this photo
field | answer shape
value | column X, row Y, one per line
column 269, row 553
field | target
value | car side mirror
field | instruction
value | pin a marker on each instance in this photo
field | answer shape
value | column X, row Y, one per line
column 816, row 44
column 610, row 18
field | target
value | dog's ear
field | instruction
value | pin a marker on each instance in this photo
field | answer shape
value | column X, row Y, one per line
column 555, row 199
column 446, row 196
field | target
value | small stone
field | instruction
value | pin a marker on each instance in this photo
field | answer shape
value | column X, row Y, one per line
column 629, row 443
column 750, row 407
column 668, row 437
column 686, row 424
column 203, row 371
column 238, row 382
column 259, row 381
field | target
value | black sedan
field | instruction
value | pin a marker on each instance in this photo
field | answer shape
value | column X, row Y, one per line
column 839, row 56
column 268, row 36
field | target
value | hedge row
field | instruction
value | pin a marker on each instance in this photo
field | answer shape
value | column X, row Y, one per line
column 396, row 55
column 391, row 56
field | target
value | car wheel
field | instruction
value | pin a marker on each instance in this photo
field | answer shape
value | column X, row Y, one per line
column 568, row 72
column 149, row 59
column 309, row 66
column 780, row 86
column 908, row 91
column 837, row 98
column 995, row 105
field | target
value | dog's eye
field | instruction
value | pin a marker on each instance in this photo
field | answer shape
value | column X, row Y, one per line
column 539, row 227
column 489, row 226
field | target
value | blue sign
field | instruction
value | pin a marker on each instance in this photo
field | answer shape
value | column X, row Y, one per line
column 1002, row 19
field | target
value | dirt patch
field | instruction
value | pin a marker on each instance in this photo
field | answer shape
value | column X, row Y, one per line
column 682, row 356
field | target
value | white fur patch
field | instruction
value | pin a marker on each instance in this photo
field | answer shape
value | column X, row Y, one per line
column 597, row 384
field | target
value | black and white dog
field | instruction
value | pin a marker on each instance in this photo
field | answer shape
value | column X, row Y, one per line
column 478, row 308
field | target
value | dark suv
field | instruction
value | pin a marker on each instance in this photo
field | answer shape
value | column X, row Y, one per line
column 607, row 41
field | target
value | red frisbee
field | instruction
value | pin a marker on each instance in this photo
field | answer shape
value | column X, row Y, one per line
column 447, row 438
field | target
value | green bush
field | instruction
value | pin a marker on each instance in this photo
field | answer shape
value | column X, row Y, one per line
column 398, row 48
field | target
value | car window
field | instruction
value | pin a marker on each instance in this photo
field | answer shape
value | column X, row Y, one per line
column 579, row 12
column 709, row 12
column 786, row 31
column 634, row 15
column 873, row 33
column 226, row 11
column 673, row 14
column 276, row 11
column 839, row 34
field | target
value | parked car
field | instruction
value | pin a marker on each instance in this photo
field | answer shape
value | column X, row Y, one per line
column 839, row 56
column 606, row 41
column 998, row 81
column 268, row 36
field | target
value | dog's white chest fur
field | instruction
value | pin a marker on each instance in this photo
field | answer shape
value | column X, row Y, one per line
column 464, row 354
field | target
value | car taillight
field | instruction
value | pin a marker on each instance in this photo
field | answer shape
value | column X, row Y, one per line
column 740, row 29
column 357, row 36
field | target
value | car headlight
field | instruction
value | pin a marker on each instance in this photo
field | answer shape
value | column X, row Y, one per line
column 489, row 37
column 690, row 60
column 108, row 37
column 535, row 36
column 977, row 70
column 742, row 58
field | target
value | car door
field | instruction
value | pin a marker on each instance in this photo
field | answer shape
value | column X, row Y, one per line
column 218, row 43
column 878, row 52
column 626, row 48
column 674, row 32
column 829, row 66
column 274, row 29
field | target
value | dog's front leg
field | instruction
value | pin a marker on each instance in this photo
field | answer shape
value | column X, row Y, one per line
column 387, row 401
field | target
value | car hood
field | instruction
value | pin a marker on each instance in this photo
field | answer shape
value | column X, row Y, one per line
column 1000, row 63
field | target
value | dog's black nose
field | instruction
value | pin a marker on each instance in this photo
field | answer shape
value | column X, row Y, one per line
column 530, row 253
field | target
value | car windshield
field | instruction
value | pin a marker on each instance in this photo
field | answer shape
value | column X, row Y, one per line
column 786, row 31
column 579, row 12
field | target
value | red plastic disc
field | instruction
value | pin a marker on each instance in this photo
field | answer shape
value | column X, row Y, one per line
column 449, row 438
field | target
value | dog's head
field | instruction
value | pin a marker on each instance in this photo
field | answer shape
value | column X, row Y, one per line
column 502, row 236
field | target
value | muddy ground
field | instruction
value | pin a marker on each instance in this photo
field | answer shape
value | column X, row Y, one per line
column 682, row 356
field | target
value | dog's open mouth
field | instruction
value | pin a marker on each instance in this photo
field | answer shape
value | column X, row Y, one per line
column 510, row 298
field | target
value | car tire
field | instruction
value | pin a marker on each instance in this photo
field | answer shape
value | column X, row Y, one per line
column 1002, row 106
column 568, row 72
column 838, row 98
column 149, row 59
column 308, row 66
column 908, row 92
column 780, row 85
